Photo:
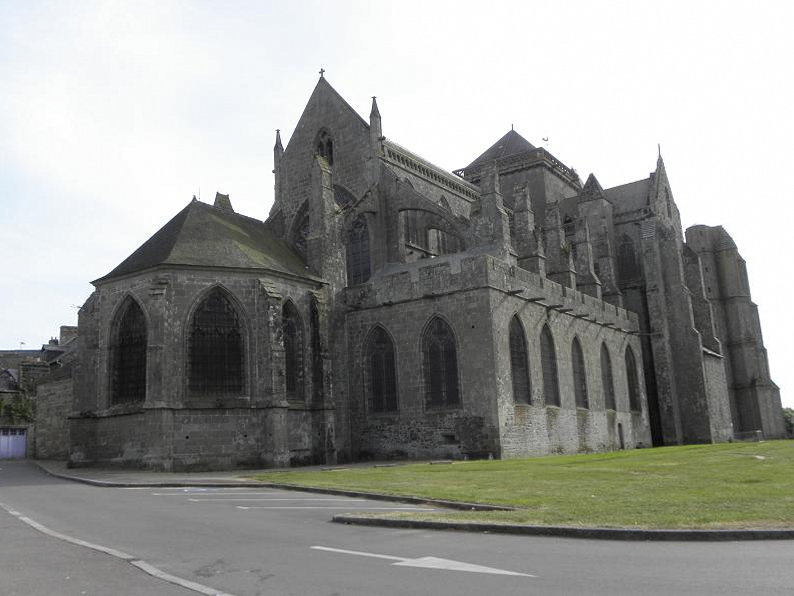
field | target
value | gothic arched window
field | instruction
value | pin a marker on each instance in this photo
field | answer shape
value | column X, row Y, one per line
column 358, row 270
column 325, row 146
column 128, row 355
column 628, row 268
column 318, row 390
column 579, row 374
column 607, row 382
column 440, row 363
column 216, row 348
column 633, row 381
column 301, row 233
column 519, row 362
column 293, row 351
column 381, row 374
column 548, row 362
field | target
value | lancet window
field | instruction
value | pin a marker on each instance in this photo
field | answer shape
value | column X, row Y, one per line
column 293, row 351
column 607, row 381
column 358, row 258
column 128, row 355
column 579, row 374
column 381, row 373
column 519, row 362
column 633, row 381
column 548, row 362
column 216, row 348
column 440, row 363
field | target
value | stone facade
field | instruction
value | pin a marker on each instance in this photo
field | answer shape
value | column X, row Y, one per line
column 390, row 309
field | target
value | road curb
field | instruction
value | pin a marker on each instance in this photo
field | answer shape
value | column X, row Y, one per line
column 458, row 526
column 569, row 532
column 255, row 484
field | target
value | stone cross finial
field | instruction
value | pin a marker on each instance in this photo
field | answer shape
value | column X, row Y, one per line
column 322, row 72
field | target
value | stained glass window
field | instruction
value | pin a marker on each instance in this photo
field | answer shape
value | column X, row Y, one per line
column 607, row 381
column 381, row 374
column 519, row 362
column 440, row 363
column 293, row 351
column 548, row 362
column 633, row 381
column 216, row 352
column 128, row 355
column 579, row 374
column 358, row 266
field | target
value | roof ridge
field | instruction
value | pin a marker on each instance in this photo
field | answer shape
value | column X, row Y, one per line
column 511, row 143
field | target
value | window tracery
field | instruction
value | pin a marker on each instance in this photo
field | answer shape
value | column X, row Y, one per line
column 440, row 363
column 548, row 361
column 519, row 362
column 215, row 348
column 381, row 373
column 128, row 355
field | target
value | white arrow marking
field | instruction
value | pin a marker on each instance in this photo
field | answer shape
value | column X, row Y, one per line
column 426, row 562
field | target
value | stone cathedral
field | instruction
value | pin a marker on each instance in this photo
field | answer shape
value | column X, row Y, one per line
column 388, row 309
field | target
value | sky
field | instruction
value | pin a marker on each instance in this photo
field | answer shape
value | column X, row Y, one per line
column 114, row 114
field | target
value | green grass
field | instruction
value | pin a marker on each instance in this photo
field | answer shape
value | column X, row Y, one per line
column 738, row 485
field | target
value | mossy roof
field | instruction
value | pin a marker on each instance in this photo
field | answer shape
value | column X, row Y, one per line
column 205, row 236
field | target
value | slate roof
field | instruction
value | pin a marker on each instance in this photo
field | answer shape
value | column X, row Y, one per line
column 510, row 144
column 205, row 236
column 628, row 197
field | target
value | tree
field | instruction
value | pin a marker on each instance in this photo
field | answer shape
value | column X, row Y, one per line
column 788, row 417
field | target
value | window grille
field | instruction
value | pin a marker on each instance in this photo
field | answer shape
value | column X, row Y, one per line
column 607, row 381
column 293, row 351
column 128, row 355
column 548, row 361
column 358, row 266
column 382, row 377
column 519, row 362
column 633, row 381
column 440, row 365
column 628, row 268
column 216, row 348
column 579, row 375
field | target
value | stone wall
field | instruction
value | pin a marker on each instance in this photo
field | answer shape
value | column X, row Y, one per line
column 53, row 406
column 477, row 297
column 223, row 433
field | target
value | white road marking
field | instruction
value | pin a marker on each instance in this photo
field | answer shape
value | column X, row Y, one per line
column 324, row 499
column 426, row 562
column 131, row 559
column 358, row 508
column 231, row 493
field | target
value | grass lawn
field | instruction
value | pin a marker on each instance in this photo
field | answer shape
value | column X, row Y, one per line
column 735, row 485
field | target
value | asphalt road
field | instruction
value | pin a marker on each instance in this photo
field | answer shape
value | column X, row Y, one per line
column 250, row 542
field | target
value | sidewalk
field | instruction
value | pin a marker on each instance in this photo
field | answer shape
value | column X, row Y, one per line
column 128, row 478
